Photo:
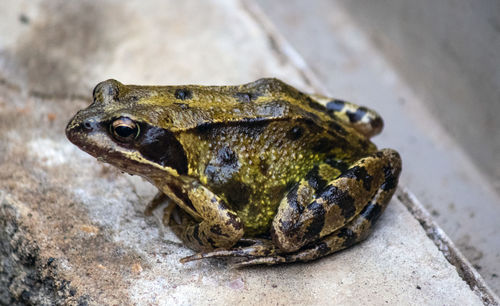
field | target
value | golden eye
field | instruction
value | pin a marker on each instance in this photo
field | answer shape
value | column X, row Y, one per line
column 124, row 129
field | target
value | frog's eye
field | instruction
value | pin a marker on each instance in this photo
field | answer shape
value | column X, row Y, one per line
column 124, row 129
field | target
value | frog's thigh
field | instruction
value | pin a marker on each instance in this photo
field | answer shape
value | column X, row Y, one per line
column 219, row 226
column 300, row 221
column 355, row 231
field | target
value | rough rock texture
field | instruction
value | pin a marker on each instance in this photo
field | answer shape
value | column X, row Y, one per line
column 73, row 230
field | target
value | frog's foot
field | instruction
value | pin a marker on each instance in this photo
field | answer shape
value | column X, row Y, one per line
column 357, row 230
column 249, row 248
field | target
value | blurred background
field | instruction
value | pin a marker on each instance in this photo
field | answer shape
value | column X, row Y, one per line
column 430, row 68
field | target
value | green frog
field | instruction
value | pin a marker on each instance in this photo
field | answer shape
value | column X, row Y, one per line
column 261, row 171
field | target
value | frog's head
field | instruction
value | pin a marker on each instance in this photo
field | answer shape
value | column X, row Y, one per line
column 118, row 130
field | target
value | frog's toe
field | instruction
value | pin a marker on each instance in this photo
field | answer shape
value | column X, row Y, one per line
column 212, row 254
column 270, row 260
column 258, row 248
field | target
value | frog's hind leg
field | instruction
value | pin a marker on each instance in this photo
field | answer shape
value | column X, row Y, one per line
column 356, row 231
column 300, row 221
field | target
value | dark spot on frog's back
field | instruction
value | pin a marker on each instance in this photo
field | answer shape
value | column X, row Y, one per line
column 232, row 220
column 183, row 94
column 248, row 126
column 216, row 229
column 160, row 146
column 204, row 129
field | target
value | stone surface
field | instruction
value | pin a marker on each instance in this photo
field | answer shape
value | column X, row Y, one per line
column 72, row 230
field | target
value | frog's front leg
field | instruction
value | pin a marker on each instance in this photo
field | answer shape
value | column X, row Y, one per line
column 219, row 226
column 301, row 221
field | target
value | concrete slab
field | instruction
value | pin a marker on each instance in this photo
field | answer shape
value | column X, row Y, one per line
column 73, row 230
column 460, row 197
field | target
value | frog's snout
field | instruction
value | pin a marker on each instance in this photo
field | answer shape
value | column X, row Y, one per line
column 78, row 128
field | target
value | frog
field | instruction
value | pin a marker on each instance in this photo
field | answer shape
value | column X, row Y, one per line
column 260, row 173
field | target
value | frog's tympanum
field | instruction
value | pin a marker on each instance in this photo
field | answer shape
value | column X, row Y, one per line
column 260, row 171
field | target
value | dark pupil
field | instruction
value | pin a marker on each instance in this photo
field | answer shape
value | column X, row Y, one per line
column 124, row 131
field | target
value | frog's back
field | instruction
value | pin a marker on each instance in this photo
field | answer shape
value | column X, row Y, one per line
column 180, row 108
column 252, row 157
column 250, row 143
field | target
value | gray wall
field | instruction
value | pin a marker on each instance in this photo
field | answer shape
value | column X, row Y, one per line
column 449, row 51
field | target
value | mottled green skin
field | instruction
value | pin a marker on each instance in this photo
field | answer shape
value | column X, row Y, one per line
column 246, row 161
